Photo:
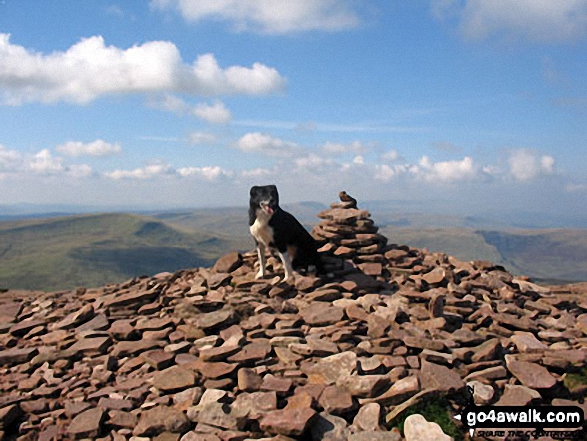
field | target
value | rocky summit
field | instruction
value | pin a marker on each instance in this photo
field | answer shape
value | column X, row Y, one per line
column 214, row 354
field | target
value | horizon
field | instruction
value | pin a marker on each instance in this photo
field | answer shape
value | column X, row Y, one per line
column 460, row 106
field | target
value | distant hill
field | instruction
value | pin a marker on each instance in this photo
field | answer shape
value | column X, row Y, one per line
column 95, row 249
column 555, row 255
column 92, row 250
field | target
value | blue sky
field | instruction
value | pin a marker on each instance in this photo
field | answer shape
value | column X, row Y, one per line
column 474, row 105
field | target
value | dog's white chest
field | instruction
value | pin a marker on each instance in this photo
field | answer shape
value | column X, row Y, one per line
column 262, row 232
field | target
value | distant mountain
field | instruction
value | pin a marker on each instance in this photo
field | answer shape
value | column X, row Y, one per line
column 92, row 250
column 553, row 255
column 95, row 249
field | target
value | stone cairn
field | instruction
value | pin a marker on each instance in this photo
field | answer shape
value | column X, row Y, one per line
column 212, row 354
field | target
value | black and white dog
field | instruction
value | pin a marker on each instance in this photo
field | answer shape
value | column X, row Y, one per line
column 276, row 229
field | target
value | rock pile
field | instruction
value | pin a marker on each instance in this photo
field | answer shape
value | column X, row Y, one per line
column 349, row 233
column 213, row 354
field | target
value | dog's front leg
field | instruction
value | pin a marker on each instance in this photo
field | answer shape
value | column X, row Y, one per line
column 262, row 263
column 287, row 266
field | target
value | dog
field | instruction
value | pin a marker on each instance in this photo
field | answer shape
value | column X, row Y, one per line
column 276, row 229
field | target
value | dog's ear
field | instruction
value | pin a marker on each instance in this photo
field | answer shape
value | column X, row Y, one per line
column 254, row 190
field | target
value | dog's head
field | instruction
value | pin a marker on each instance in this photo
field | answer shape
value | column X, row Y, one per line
column 265, row 198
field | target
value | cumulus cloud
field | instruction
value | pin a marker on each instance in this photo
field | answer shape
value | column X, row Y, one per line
column 214, row 113
column 162, row 169
column 540, row 20
column 256, row 142
column 525, row 165
column 209, row 173
column 98, row 147
column 312, row 161
column 14, row 163
column 148, row 172
column 446, row 171
column 391, row 156
column 386, row 173
column 268, row 16
column 90, row 69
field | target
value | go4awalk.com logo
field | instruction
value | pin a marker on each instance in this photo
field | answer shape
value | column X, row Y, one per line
column 525, row 422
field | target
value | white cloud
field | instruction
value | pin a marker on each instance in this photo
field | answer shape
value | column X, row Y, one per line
column 312, row 161
column 44, row 162
column 359, row 160
column 256, row 173
column 80, row 170
column 540, row 20
column 90, row 69
column 337, row 148
column 268, row 16
column 95, row 148
column 446, row 171
column 9, row 159
column 391, row 156
column 525, row 165
column 209, row 173
column 199, row 138
column 148, row 172
column 171, row 103
column 386, row 173
column 256, row 142
column 215, row 113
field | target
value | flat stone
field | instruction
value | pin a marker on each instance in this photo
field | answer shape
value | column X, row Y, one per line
column 486, row 351
column 368, row 417
column 214, row 319
column 254, row 405
column 128, row 348
column 87, row 424
column 173, row 379
column 91, row 345
column 336, row 400
column 161, row 418
column 214, row 414
column 321, row 313
column 416, row 428
column 158, row 358
column 248, row 380
column 251, row 352
column 288, row 422
column 24, row 327
column 17, row 355
column 364, row 386
column 440, row 377
column 531, row 375
column 75, row 318
column 329, row 369
column 122, row 419
column 526, row 342
column 228, row 263
column 398, row 392
column 482, row 393
column 131, row 298
column 516, row 395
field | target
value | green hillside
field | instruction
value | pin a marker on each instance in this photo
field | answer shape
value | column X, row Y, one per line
column 92, row 250
column 555, row 255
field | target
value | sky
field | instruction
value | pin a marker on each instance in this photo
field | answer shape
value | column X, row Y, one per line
column 468, row 105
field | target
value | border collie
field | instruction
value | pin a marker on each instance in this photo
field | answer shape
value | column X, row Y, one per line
column 276, row 229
